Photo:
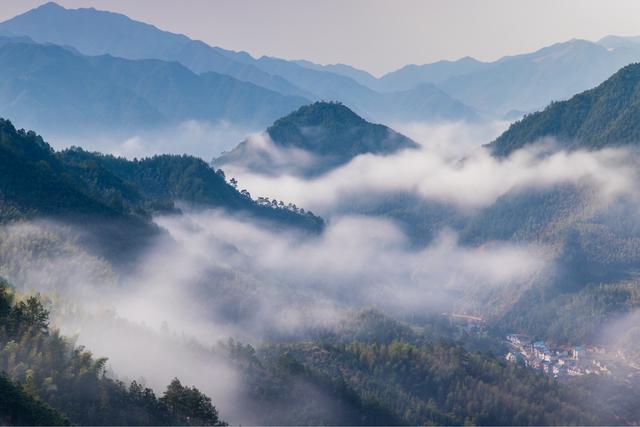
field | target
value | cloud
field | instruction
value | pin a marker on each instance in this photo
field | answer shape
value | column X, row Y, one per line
column 452, row 168
column 216, row 275
column 193, row 137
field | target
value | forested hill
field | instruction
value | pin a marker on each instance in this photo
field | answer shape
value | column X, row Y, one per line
column 608, row 115
column 404, row 376
column 330, row 128
column 114, row 194
column 329, row 132
column 35, row 181
column 159, row 182
column 38, row 365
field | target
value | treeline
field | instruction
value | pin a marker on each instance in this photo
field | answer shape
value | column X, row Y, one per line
column 361, row 375
column 605, row 116
column 442, row 384
column 44, row 370
column 38, row 180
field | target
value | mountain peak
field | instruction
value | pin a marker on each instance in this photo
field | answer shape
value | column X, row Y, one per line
column 51, row 5
column 317, row 114
column 329, row 133
column 331, row 128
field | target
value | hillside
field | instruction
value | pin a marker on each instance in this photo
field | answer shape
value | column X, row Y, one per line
column 330, row 134
column 606, row 116
column 48, row 368
column 115, row 198
column 160, row 182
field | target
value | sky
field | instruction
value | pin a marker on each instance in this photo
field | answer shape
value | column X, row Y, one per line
column 376, row 35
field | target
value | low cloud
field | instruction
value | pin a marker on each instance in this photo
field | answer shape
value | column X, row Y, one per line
column 193, row 137
column 452, row 168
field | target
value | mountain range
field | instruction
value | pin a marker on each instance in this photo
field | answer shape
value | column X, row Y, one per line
column 55, row 89
column 520, row 83
column 265, row 88
column 92, row 32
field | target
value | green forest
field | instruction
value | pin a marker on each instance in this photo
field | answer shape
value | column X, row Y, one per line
column 51, row 381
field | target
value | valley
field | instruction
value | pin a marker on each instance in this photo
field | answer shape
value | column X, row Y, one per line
column 194, row 235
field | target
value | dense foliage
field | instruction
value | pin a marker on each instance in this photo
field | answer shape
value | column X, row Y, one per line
column 17, row 407
column 47, row 366
column 114, row 195
column 158, row 182
column 601, row 117
column 437, row 384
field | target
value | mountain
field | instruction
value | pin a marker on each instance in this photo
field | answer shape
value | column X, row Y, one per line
column 523, row 82
column 315, row 139
column 530, row 81
column 413, row 75
column 425, row 103
column 605, row 116
column 52, row 88
column 114, row 197
column 618, row 42
column 360, row 76
column 94, row 32
column 35, row 181
column 161, row 181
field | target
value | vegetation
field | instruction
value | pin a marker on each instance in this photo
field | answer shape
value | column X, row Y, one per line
column 17, row 407
column 45, row 366
column 435, row 384
column 601, row 117
column 114, row 195
column 157, row 183
column 327, row 131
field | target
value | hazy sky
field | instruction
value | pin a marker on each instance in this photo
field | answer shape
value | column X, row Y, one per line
column 375, row 35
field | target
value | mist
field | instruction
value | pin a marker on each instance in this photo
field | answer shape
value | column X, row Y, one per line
column 451, row 167
column 215, row 275
column 198, row 138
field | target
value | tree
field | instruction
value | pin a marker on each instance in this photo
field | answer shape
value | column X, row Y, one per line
column 190, row 405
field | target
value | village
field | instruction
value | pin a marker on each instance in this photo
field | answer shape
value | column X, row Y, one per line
column 558, row 361
column 566, row 361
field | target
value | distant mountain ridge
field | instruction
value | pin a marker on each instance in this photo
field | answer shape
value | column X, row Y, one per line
column 330, row 133
column 118, row 35
column 94, row 32
column 464, row 89
column 54, row 89
column 522, row 82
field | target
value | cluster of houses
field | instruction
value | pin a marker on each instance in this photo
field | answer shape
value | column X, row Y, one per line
column 559, row 362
